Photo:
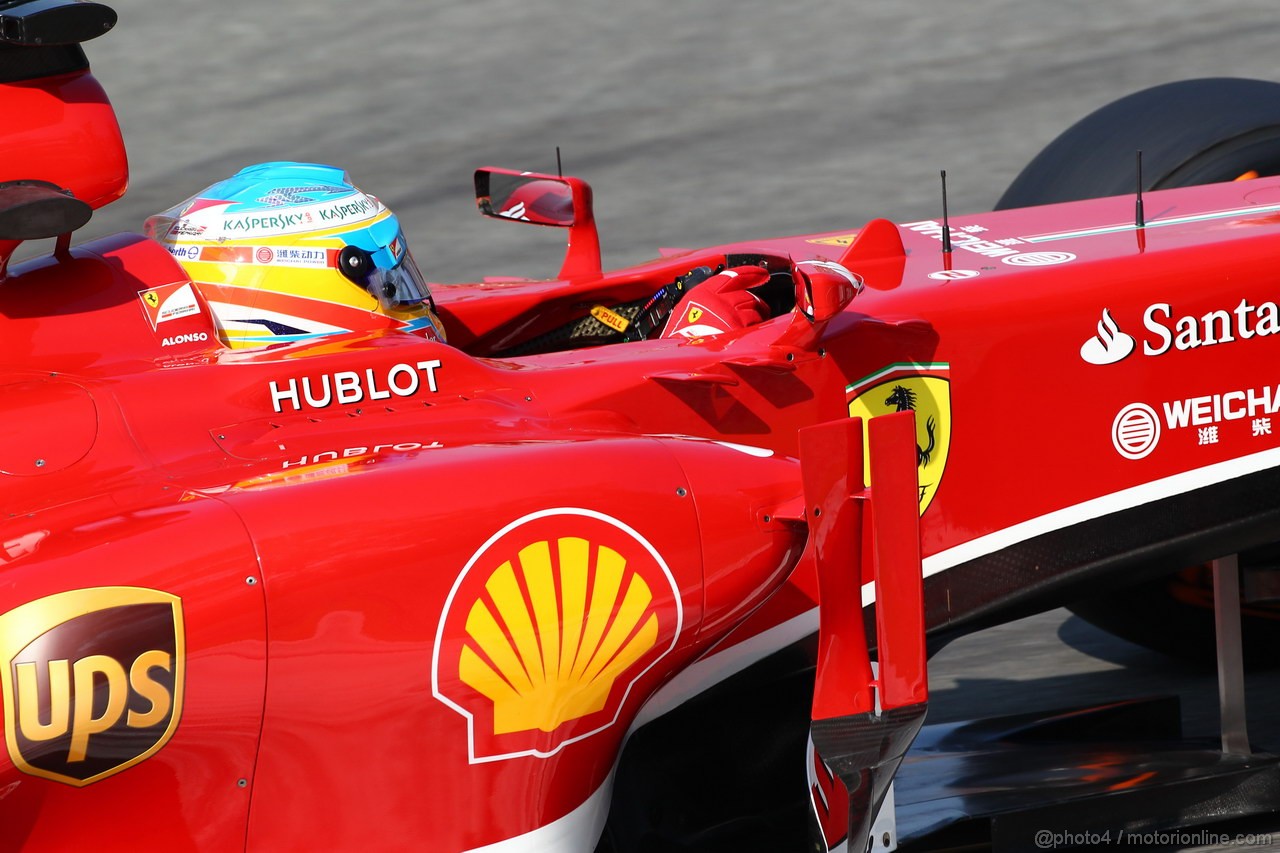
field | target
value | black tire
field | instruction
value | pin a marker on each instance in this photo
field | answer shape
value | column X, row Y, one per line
column 1174, row 616
column 1190, row 132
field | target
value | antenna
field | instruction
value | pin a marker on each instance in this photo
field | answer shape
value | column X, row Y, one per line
column 1139, row 219
column 559, row 169
column 946, row 219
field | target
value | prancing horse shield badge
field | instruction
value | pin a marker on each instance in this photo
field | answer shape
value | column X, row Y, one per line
column 924, row 389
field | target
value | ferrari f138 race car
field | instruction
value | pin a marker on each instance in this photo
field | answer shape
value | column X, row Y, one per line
column 649, row 559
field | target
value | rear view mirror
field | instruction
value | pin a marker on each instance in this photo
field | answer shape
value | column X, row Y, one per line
column 537, row 199
column 525, row 198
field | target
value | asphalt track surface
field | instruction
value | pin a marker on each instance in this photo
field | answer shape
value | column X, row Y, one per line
column 696, row 123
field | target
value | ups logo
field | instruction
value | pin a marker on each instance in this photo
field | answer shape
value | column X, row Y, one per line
column 92, row 681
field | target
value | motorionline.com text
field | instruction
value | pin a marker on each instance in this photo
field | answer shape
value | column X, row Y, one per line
column 1048, row 839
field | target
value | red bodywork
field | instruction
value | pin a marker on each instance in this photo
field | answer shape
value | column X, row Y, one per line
column 382, row 592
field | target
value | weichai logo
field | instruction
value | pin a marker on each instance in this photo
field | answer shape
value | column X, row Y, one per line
column 547, row 629
column 92, row 681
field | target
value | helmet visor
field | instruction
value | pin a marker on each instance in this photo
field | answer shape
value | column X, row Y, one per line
column 389, row 274
column 401, row 286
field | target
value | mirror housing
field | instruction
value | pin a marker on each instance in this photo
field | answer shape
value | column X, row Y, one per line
column 552, row 200
column 824, row 289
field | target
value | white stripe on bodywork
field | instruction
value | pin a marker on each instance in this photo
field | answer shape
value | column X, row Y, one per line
column 1154, row 223
column 576, row 832
column 717, row 666
column 1145, row 493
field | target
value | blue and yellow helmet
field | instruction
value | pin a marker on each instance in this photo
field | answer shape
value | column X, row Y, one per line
column 284, row 252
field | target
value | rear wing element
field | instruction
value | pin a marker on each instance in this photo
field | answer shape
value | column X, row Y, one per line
column 61, row 152
column 863, row 722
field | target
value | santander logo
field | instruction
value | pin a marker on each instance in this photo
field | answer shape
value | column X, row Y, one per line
column 1109, row 345
column 1166, row 331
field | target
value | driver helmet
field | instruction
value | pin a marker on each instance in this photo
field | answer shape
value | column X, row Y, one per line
column 286, row 252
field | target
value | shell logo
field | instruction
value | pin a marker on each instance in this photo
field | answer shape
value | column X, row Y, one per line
column 548, row 628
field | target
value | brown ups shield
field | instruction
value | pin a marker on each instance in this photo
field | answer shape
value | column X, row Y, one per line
column 92, row 681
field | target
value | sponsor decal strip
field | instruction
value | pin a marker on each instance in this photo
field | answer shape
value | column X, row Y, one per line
column 1136, row 429
column 347, row 386
column 963, row 237
column 1218, row 326
column 1156, row 223
column 1209, row 409
column 169, row 302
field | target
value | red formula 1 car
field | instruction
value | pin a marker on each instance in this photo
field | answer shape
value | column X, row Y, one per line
column 608, row 570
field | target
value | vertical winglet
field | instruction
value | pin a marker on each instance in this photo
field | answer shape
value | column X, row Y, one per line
column 831, row 468
column 899, row 582
column 860, row 740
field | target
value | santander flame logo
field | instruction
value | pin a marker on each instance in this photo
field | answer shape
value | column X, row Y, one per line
column 1109, row 345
